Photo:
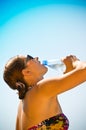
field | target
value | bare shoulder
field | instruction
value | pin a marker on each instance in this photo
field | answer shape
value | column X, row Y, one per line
column 46, row 87
column 54, row 86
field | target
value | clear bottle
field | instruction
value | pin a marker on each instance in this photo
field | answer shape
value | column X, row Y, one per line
column 55, row 64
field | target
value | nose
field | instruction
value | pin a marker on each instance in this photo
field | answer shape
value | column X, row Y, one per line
column 36, row 58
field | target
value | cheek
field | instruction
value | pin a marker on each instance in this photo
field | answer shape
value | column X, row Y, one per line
column 28, row 63
column 42, row 69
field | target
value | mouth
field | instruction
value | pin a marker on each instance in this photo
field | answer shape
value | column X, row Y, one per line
column 39, row 62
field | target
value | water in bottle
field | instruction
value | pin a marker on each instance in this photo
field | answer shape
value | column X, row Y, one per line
column 55, row 64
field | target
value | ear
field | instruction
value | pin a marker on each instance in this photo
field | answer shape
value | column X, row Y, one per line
column 25, row 72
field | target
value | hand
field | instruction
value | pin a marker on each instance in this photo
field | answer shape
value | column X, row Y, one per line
column 70, row 62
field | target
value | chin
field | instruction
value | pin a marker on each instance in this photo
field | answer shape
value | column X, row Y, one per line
column 46, row 69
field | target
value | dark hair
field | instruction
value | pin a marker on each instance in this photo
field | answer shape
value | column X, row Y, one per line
column 13, row 74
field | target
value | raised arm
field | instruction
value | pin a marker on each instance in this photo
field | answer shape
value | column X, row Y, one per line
column 75, row 75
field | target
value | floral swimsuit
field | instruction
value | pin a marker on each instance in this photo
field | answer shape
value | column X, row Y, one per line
column 59, row 122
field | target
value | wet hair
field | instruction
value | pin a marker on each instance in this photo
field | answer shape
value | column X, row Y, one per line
column 13, row 76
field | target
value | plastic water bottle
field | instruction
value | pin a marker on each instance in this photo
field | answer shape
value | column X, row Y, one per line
column 55, row 64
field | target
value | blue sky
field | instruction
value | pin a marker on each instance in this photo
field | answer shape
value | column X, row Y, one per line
column 48, row 29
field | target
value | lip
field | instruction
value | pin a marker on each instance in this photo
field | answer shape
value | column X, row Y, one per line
column 39, row 62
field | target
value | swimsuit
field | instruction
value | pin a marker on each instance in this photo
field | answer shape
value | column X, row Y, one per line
column 59, row 122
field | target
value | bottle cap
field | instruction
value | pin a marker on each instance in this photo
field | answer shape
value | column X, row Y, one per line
column 44, row 62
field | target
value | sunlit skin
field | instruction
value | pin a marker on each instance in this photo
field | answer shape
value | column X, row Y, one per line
column 41, row 101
